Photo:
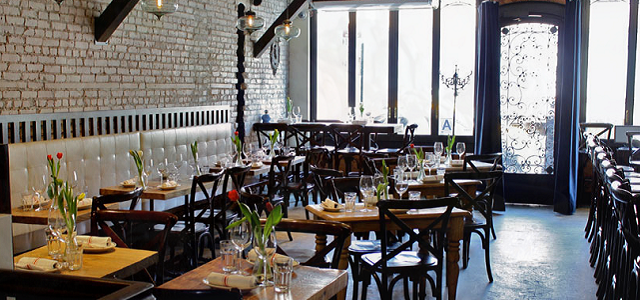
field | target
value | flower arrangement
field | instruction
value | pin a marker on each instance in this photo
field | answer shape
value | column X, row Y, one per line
column 381, row 190
column 259, row 232
column 194, row 153
column 451, row 140
column 289, row 106
column 238, row 144
column 137, row 158
column 419, row 153
column 361, row 109
column 53, row 190
column 273, row 139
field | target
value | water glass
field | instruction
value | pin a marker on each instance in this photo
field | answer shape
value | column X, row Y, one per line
column 228, row 253
column 414, row 195
column 54, row 245
column 28, row 200
column 438, row 148
column 460, row 149
column 349, row 201
column 74, row 258
column 282, row 270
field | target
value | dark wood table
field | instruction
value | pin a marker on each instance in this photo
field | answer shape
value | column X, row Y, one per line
column 119, row 263
column 307, row 282
column 369, row 221
column 18, row 215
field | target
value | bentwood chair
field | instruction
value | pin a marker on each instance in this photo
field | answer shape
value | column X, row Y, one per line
column 388, row 267
column 408, row 138
column 322, row 179
column 495, row 159
column 349, row 142
column 481, row 205
column 101, row 202
column 135, row 229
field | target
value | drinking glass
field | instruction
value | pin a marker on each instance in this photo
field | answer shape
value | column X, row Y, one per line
column 367, row 189
column 296, row 112
column 228, row 253
column 412, row 163
column 39, row 188
column 250, row 151
column 241, row 238
column 265, row 247
column 438, row 148
column 413, row 195
column 402, row 162
column 282, row 270
column 430, row 161
column 402, row 183
column 349, row 201
column 460, row 149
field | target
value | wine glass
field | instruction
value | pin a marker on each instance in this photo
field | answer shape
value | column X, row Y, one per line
column 250, row 151
column 402, row 183
column 74, row 179
column 241, row 238
column 367, row 189
column 39, row 186
column 460, row 149
column 412, row 163
column 265, row 247
column 438, row 148
column 296, row 112
column 430, row 161
column 402, row 162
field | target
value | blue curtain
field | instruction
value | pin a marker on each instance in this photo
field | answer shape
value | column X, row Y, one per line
column 566, row 152
column 487, row 76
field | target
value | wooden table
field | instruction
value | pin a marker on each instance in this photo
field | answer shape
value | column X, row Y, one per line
column 369, row 221
column 265, row 168
column 120, row 263
column 436, row 188
column 42, row 217
column 307, row 282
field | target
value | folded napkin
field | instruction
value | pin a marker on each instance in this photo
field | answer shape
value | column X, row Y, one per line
column 36, row 263
column 131, row 181
column 328, row 203
column 88, row 241
column 234, row 281
column 85, row 202
column 253, row 256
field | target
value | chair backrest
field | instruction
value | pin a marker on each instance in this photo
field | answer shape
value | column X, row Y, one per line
column 482, row 201
column 339, row 232
column 341, row 185
column 409, row 136
column 347, row 136
column 631, row 144
column 101, row 202
column 255, row 201
column 236, row 176
column 279, row 172
column 495, row 159
column 601, row 130
column 135, row 229
column 374, row 165
column 309, row 135
column 388, row 213
column 318, row 157
column 264, row 129
column 208, row 200
column 322, row 179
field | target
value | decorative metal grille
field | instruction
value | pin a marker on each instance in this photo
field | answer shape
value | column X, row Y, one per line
column 529, row 55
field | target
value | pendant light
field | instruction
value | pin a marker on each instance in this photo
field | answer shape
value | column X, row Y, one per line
column 249, row 22
column 286, row 31
column 159, row 7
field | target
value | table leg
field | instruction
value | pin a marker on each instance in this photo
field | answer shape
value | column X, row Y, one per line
column 321, row 242
column 455, row 233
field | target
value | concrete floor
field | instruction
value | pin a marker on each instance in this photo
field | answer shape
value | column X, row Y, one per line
column 538, row 254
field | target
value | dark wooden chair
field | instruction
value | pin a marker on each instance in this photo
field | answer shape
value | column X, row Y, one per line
column 402, row 263
column 600, row 130
column 373, row 165
column 309, row 136
column 349, row 142
column 101, row 202
column 138, row 229
column 341, row 185
column 264, row 129
column 200, row 212
column 322, row 179
column 407, row 139
column 279, row 182
column 495, row 159
column 481, row 203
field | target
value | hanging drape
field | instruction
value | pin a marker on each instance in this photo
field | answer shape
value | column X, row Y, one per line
column 567, row 108
column 487, row 93
column 487, row 76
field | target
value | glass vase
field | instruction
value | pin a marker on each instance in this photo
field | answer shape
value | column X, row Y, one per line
column 448, row 159
column 421, row 173
column 56, row 226
column 73, row 251
column 142, row 179
column 265, row 248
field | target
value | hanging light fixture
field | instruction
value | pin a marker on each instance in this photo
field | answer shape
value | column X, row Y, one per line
column 250, row 22
column 59, row 1
column 286, row 31
column 159, row 7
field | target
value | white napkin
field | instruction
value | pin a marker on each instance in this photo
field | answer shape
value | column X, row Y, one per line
column 36, row 263
column 252, row 256
column 85, row 202
column 131, row 181
column 234, row 281
column 88, row 241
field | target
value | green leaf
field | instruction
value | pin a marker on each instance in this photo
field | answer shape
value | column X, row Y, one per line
column 236, row 223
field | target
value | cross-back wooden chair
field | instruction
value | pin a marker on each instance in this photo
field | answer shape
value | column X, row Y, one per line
column 101, row 202
column 264, row 129
column 349, row 142
column 407, row 139
column 322, row 179
column 470, row 160
column 214, row 212
column 278, row 182
column 481, row 202
column 139, row 230
column 308, row 136
column 402, row 263
column 600, row 130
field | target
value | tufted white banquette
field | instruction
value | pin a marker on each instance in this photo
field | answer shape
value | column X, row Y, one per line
column 101, row 161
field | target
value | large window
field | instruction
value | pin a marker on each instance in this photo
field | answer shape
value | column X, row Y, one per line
column 384, row 60
column 607, row 70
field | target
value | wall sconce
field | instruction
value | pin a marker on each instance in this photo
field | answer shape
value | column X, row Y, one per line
column 159, row 7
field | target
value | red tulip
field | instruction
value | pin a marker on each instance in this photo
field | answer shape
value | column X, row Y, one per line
column 59, row 155
column 233, row 195
column 49, row 157
column 268, row 206
column 236, row 133
column 412, row 146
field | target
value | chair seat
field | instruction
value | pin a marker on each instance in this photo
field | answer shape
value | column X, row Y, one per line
column 294, row 186
column 368, row 246
column 229, row 214
column 405, row 259
column 180, row 225
column 388, row 150
column 475, row 222
column 349, row 151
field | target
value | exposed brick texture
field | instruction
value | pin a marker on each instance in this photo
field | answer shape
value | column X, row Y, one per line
column 49, row 61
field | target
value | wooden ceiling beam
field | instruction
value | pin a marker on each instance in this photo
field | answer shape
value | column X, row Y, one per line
column 112, row 17
column 268, row 36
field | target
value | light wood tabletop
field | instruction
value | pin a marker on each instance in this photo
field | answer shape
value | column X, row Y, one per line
column 307, row 282
column 18, row 215
column 118, row 263
column 369, row 221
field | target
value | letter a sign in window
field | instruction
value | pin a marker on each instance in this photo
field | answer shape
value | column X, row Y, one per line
column 446, row 126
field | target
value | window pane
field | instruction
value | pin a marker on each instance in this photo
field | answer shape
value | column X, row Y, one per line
column 332, row 65
column 414, row 68
column 457, row 50
column 607, row 74
column 372, row 65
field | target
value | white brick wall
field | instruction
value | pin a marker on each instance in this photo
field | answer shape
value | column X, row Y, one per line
column 49, row 61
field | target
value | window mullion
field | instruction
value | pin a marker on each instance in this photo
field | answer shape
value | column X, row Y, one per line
column 352, row 59
column 392, row 113
column 631, row 62
column 435, row 71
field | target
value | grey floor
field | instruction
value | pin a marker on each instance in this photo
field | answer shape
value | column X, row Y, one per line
column 538, row 254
